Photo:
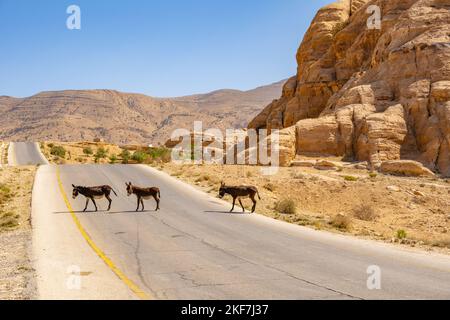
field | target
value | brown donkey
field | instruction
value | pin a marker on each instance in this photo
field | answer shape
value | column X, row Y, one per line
column 92, row 193
column 238, row 192
column 144, row 193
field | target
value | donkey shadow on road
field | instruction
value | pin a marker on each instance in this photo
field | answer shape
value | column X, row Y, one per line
column 103, row 212
column 228, row 212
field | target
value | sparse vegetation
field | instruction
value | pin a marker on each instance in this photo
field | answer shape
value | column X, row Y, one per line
column 57, row 151
column 350, row 178
column 270, row 186
column 101, row 153
column 401, row 234
column 364, row 212
column 88, row 151
column 139, row 156
column 203, row 178
column 373, row 175
column 161, row 153
column 341, row 222
column 125, row 155
column 286, row 206
column 113, row 159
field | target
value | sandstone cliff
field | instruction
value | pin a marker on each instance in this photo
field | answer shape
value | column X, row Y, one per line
column 370, row 94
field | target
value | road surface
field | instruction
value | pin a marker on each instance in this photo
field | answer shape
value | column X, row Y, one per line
column 25, row 153
column 194, row 249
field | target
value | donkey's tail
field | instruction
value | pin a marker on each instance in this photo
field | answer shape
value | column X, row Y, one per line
column 159, row 194
column 257, row 192
column 114, row 192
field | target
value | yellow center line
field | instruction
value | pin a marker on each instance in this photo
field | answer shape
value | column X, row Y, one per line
column 130, row 284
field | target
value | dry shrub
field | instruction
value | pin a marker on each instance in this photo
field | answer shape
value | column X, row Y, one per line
column 341, row 222
column 203, row 178
column 270, row 186
column 286, row 206
column 364, row 212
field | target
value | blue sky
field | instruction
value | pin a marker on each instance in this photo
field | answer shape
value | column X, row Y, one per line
column 156, row 47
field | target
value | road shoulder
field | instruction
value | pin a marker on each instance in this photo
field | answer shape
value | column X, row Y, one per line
column 17, row 276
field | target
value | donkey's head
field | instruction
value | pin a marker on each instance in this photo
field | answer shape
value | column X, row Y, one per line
column 75, row 192
column 129, row 188
column 222, row 190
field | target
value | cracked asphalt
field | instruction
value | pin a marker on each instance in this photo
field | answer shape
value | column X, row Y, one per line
column 194, row 249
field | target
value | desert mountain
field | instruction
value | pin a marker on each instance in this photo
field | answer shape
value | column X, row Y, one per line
column 125, row 118
column 370, row 94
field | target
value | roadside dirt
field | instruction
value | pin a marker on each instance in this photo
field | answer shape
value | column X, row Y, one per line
column 408, row 211
column 16, row 272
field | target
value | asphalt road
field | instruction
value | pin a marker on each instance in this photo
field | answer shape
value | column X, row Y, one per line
column 25, row 153
column 194, row 249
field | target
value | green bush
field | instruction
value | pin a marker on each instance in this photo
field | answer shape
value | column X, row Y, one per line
column 58, row 151
column 101, row 153
column 401, row 234
column 161, row 153
column 350, row 178
column 125, row 155
column 113, row 159
column 88, row 151
column 139, row 156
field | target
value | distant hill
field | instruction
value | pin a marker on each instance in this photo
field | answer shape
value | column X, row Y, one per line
column 124, row 118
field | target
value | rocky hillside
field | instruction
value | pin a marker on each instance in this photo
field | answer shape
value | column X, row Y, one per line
column 125, row 118
column 370, row 94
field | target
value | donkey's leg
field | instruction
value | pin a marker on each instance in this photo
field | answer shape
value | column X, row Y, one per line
column 157, row 202
column 142, row 202
column 254, row 202
column 242, row 206
column 85, row 208
column 234, row 202
column 95, row 204
column 138, row 204
column 110, row 201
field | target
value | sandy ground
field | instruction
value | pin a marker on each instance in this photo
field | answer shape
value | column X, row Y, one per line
column 16, row 272
column 409, row 211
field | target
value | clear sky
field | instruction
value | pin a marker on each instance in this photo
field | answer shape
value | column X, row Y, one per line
column 156, row 47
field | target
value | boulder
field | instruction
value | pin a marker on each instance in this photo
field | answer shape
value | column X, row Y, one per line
column 405, row 168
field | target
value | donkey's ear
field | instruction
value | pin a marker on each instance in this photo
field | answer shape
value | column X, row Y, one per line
column 73, row 186
column 222, row 183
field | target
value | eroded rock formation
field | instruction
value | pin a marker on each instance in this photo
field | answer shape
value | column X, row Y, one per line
column 370, row 94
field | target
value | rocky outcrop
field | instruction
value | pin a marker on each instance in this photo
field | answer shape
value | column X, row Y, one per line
column 406, row 168
column 371, row 94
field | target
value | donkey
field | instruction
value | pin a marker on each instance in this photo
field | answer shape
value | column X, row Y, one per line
column 238, row 192
column 144, row 193
column 92, row 193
